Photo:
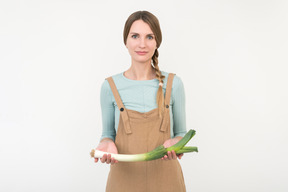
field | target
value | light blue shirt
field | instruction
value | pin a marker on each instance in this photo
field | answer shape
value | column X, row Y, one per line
column 141, row 96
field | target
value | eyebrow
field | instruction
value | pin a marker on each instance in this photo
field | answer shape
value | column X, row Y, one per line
column 138, row 33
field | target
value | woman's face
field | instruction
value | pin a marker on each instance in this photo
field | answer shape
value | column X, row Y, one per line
column 141, row 42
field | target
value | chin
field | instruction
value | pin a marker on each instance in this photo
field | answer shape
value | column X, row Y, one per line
column 142, row 59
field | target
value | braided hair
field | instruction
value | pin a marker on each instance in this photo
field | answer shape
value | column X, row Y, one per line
column 160, row 77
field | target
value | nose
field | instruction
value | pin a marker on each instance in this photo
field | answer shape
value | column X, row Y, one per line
column 142, row 43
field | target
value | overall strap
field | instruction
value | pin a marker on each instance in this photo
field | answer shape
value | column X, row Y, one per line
column 167, row 102
column 121, row 107
column 169, row 89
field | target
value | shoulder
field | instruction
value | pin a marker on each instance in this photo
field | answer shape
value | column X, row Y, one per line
column 118, row 76
column 177, row 81
column 105, row 88
column 105, row 84
column 115, row 77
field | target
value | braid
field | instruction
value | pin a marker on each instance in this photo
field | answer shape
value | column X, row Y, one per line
column 160, row 77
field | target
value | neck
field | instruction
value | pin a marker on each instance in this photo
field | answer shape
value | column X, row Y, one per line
column 141, row 71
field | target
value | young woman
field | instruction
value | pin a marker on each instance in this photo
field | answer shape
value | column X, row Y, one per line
column 137, row 117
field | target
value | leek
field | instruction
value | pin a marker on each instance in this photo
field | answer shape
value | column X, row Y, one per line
column 157, row 153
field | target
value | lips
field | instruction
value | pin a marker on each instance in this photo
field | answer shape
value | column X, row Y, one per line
column 141, row 52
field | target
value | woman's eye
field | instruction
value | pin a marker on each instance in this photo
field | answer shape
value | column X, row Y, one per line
column 150, row 37
column 134, row 36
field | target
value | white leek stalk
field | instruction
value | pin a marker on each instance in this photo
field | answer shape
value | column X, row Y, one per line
column 157, row 153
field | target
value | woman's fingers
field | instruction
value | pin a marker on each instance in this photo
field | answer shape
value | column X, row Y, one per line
column 174, row 156
column 180, row 155
column 103, row 159
column 113, row 161
column 107, row 159
column 171, row 155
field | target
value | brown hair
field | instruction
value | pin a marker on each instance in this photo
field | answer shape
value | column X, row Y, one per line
column 153, row 22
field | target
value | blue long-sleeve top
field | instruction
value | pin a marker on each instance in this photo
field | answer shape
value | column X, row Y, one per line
column 140, row 95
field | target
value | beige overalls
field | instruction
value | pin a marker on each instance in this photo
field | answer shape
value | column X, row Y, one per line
column 140, row 133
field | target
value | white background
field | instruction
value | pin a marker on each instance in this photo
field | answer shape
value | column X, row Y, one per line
column 231, row 56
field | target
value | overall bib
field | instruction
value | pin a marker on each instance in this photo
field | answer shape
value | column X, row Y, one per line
column 140, row 133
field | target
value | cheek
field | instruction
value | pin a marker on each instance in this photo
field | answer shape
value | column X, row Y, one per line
column 130, row 48
column 153, row 45
column 130, row 45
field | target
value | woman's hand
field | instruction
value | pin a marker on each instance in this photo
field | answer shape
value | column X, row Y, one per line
column 171, row 154
column 107, row 145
